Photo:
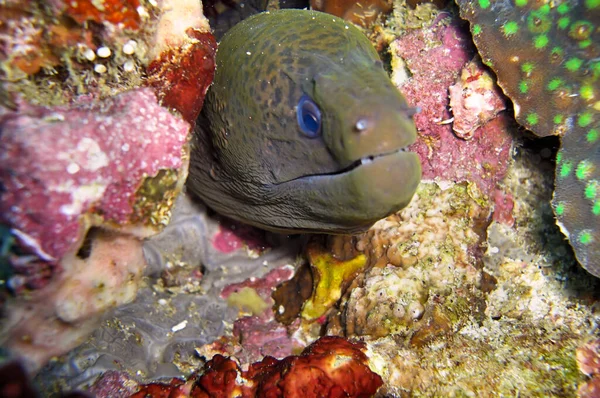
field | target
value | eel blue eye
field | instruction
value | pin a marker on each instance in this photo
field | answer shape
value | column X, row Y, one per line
column 308, row 115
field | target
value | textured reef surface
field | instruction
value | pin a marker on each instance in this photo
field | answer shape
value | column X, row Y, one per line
column 95, row 115
column 471, row 290
column 546, row 57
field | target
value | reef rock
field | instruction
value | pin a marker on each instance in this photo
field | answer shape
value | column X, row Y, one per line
column 82, row 185
column 435, row 57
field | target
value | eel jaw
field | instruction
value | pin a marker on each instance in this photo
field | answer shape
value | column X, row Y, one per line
column 352, row 199
column 369, row 159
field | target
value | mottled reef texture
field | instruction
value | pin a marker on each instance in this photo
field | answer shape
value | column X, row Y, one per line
column 546, row 56
column 471, row 290
column 95, row 112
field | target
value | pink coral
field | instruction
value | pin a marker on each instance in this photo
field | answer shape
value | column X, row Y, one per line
column 588, row 359
column 259, row 335
column 233, row 235
column 53, row 320
column 435, row 57
column 82, row 185
column 61, row 163
column 504, row 204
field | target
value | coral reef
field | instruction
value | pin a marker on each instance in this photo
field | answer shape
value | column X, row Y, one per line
column 182, row 65
column 546, row 58
column 255, row 333
column 471, row 290
column 363, row 12
column 106, row 162
column 438, row 229
column 50, row 54
column 435, row 57
column 432, row 294
column 82, row 185
column 330, row 367
column 91, row 163
column 475, row 100
column 330, row 276
column 588, row 360
column 174, row 320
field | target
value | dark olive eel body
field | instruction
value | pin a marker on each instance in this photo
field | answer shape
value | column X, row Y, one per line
column 250, row 160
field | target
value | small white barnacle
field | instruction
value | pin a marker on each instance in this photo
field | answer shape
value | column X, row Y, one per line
column 129, row 47
column 103, row 52
column 99, row 68
column 128, row 66
column 89, row 54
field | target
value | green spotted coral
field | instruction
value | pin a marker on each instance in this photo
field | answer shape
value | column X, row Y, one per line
column 547, row 58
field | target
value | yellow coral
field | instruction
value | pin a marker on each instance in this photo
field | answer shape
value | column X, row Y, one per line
column 248, row 299
column 329, row 277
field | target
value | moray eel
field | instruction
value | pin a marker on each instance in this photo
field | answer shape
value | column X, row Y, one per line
column 302, row 130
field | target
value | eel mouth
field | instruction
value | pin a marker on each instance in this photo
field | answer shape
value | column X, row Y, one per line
column 366, row 160
column 351, row 199
column 357, row 164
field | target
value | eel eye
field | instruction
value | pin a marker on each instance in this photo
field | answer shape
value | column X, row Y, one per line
column 308, row 115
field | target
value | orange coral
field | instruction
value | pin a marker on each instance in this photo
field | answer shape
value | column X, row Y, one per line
column 362, row 12
column 119, row 12
column 330, row 367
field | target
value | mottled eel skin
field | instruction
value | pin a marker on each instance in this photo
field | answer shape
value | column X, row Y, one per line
column 302, row 129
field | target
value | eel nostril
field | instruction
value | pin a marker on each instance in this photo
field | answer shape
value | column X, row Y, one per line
column 361, row 125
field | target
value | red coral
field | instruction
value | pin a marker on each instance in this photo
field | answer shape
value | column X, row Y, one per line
column 503, row 208
column 360, row 12
column 175, row 389
column 330, row 367
column 181, row 76
column 119, row 12
column 219, row 378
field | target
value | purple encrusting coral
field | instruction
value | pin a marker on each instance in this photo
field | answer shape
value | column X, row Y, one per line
column 83, row 185
column 435, row 58
column 259, row 334
column 61, row 163
column 547, row 58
